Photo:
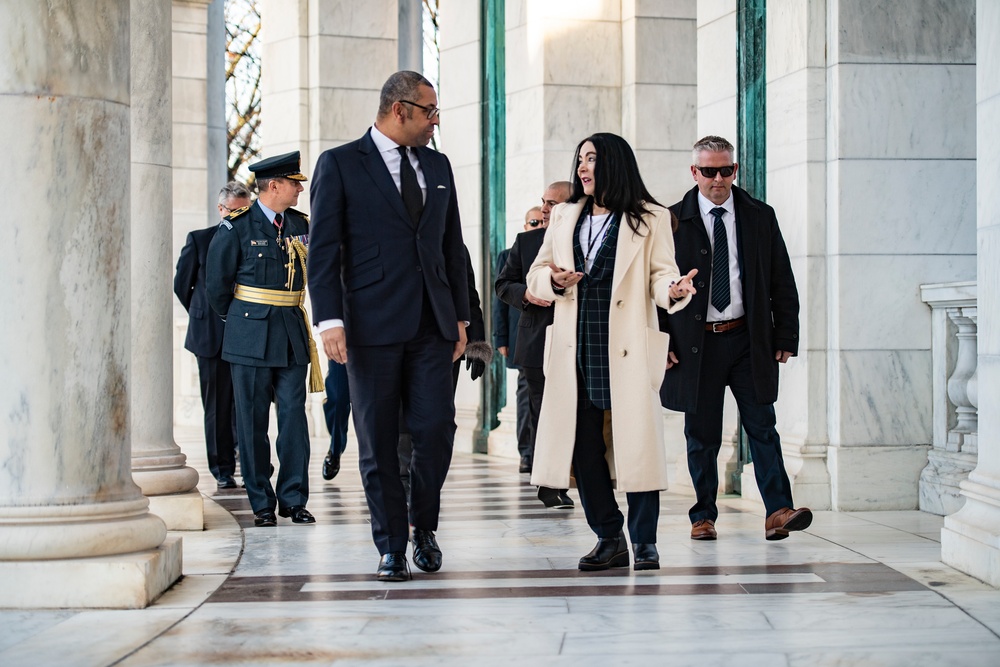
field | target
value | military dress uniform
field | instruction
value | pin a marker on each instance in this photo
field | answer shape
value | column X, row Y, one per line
column 256, row 281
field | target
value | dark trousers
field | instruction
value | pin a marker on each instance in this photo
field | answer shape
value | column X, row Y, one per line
column 253, row 387
column 726, row 361
column 525, row 427
column 405, row 445
column 337, row 406
column 593, row 482
column 534, row 379
column 417, row 375
column 216, row 382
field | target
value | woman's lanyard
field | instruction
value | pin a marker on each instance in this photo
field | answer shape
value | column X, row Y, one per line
column 593, row 244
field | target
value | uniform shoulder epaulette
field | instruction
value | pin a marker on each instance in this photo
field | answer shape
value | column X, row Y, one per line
column 227, row 225
column 237, row 213
column 299, row 213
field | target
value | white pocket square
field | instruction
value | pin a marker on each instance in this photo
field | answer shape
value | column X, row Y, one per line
column 441, row 187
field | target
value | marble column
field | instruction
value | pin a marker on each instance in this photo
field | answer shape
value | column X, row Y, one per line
column 411, row 35
column 158, row 465
column 901, row 209
column 75, row 531
column 970, row 540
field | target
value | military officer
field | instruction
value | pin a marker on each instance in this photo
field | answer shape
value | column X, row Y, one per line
column 256, row 281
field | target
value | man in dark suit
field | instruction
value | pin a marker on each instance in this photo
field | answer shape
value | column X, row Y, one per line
column 734, row 333
column 505, row 320
column 535, row 316
column 387, row 278
column 204, row 340
column 256, row 264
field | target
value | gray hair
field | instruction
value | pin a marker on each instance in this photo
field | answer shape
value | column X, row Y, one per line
column 403, row 85
column 564, row 186
column 233, row 190
column 712, row 144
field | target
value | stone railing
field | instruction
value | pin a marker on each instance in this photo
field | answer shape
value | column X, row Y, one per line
column 955, row 394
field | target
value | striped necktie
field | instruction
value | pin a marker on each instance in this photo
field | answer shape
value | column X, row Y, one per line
column 720, row 262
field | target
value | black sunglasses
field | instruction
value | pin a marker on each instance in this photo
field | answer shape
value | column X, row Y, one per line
column 432, row 112
column 534, row 223
column 710, row 172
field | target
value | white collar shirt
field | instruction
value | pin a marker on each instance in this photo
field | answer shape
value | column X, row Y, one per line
column 388, row 149
column 735, row 308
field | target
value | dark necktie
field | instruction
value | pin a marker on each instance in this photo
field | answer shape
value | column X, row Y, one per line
column 720, row 262
column 413, row 198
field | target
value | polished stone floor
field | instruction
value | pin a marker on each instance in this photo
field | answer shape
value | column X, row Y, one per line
column 854, row 589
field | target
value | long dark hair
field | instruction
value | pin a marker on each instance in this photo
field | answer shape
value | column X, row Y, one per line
column 618, row 186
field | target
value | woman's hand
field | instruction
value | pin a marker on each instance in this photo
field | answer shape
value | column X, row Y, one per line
column 564, row 278
column 683, row 287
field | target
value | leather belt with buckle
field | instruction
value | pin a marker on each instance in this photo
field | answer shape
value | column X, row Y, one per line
column 728, row 325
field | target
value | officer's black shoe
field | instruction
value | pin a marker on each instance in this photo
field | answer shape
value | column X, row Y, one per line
column 426, row 553
column 265, row 518
column 298, row 514
column 226, row 482
column 555, row 499
column 525, row 465
column 646, row 557
column 393, row 567
column 331, row 466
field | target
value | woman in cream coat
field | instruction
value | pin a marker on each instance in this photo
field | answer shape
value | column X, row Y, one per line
column 606, row 262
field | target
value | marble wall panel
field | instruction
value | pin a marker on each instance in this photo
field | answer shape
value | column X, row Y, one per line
column 879, row 295
column 666, row 173
column 811, row 283
column 796, row 118
column 188, row 100
column 464, row 81
column 189, row 145
column 717, row 118
column 882, row 397
column 523, row 60
column 664, row 116
column 795, row 37
column 459, row 23
column 372, row 18
column 664, row 9
column 525, row 120
column 798, row 195
column 515, row 12
column 188, row 53
column 286, row 122
column 905, row 31
column 568, row 62
column 525, row 184
column 575, row 112
column 469, row 189
column 555, row 11
column 715, row 10
column 284, row 19
column 292, row 57
column 801, row 408
column 346, row 115
column 343, row 62
column 988, row 278
column 885, row 111
column 666, row 51
column 907, row 206
column 717, row 61
column 875, row 478
column 460, row 135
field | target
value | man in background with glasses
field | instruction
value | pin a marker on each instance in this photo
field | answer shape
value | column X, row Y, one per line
column 741, row 324
column 204, row 340
column 389, row 288
column 505, row 324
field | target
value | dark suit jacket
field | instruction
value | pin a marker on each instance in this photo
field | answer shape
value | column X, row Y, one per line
column 368, row 264
column 205, row 327
column 770, row 298
column 245, row 251
column 477, row 327
column 510, row 287
column 505, row 319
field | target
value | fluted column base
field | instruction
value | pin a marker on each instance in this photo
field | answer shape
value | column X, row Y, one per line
column 124, row 581
column 170, row 485
column 970, row 539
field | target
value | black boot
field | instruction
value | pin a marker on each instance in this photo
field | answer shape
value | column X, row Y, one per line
column 609, row 552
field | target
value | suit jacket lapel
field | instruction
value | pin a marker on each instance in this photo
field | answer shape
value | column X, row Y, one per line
column 564, row 241
column 379, row 173
column 432, row 179
column 747, row 225
column 629, row 245
column 264, row 226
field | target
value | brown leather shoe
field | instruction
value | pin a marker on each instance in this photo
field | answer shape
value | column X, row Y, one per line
column 703, row 530
column 779, row 524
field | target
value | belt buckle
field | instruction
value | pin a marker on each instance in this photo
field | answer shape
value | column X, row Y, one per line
column 715, row 327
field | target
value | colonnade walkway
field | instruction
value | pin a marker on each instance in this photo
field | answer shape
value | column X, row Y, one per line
column 854, row 589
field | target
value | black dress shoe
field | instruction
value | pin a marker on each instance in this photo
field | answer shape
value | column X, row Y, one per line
column 426, row 553
column 609, row 552
column 265, row 518
column 298, row 514
column 393, row 567
column 555, row 499
column 525, row 465
column 226, row 482
column 646, row 557
column 331, row 466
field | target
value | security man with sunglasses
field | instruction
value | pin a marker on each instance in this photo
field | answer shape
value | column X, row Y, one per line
column 742, row 323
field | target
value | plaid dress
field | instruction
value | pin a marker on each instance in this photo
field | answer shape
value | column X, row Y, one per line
column 593, row 307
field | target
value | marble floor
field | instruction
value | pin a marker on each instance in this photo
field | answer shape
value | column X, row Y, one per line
column 854, row 589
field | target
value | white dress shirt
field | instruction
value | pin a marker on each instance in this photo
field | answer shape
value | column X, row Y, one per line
column 735, row 308
column 592, row 233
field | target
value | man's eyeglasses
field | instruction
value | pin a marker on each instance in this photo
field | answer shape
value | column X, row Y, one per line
column 710, row 172
column 534, row 223
column 432, row 112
